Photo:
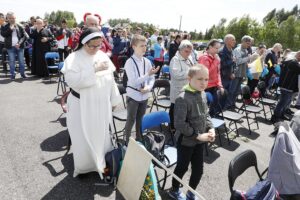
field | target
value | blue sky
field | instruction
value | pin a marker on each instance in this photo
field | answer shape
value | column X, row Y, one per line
column 196, row 14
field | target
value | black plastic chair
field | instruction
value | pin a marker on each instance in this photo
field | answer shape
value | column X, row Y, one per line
column 261, row 86
column 61, row 80
column 248, row 108
column 217, row 123
column 120, row 115
column 239, row 164
column 160, row 101
column 231, row 116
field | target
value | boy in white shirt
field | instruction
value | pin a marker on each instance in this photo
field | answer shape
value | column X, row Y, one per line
column 140, row 74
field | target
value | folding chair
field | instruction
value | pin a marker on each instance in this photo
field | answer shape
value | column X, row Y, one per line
column 61, row 79
column 153, row 120
column 120, row 115
column 161, row 101
column 217, row 123
column 239, row 164
column 51, row 62
column 231, row 116
column 165, row 72
column 261, row 86
column 247, row 108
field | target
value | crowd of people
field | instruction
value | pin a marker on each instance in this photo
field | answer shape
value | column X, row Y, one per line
column 93, row 59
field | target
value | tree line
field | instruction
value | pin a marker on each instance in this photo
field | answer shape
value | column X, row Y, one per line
column 277, row 26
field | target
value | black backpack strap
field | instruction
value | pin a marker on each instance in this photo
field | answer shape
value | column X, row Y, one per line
column 138, row 71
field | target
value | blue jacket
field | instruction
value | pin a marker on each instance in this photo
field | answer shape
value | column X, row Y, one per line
column 157, row 50
column 227, row 64
column 118, row 45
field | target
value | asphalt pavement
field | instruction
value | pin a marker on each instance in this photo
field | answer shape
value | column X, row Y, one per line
column 33, row 139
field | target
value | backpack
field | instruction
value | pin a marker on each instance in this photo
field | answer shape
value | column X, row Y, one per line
column 113, row 161
column 262, row 190
column 125, row 77
column 154, row 142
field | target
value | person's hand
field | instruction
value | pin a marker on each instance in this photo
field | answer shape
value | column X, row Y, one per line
column 232, row 76
column 44, row 39
column 222, row 90
column 204, row 137
column 144, row 90
column 100, row 66
column 17, row 46
column 212, row 135
column 234, row 59
column 153, row 70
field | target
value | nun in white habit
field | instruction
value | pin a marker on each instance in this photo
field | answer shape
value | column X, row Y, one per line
column 89, row 72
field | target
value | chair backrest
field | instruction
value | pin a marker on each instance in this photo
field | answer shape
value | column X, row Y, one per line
column 165, row 69
column 261, row 86
column 239, row 164
column 122, row 89
column 51, row 55
column 209, row 97
column 60, row 65
column 246, row 95
column 154, row 119
column 161, row 83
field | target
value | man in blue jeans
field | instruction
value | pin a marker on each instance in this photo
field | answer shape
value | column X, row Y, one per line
column 242, row 59
column 14, row 38
column 288, row 86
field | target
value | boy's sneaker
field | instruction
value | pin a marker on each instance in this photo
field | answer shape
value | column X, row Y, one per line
column 191, row 196
column 177, row 194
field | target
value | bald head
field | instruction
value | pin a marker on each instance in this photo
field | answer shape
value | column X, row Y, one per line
column 92, row 21
column 229, row 41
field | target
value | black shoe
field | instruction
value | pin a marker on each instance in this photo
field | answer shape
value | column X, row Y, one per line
column 297, row 107
column 274, row 119
column 23, row 76
column 284, row 117
column 289, row 112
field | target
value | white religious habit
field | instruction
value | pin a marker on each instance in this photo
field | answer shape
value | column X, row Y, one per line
column 89, row 118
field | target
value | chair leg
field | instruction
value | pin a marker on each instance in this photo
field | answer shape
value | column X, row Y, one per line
column 237, row 130
column 227, row 134
column 123, row 101
column 152, row 106
column 58, row 84
column 218, row 132
column 265, row 114
column 248, row 122
column 164, row 180
column 114, row 124
column 256, row 120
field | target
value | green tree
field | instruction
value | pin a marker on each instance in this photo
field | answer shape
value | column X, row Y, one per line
column 219, row 31
column 270, row 33
column 114, row 22
column 289, row 32
column 269, row 16
column 209, row 32
column 56, row 18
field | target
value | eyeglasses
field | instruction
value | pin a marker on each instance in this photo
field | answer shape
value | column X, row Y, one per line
column 92, row 47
